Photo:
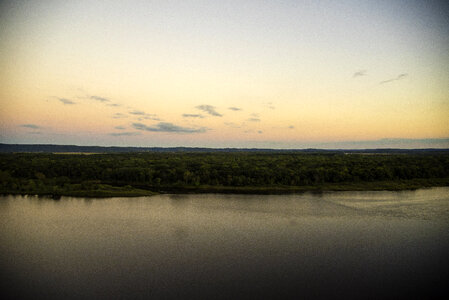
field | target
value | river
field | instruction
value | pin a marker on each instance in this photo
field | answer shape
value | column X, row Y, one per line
column 329, row 245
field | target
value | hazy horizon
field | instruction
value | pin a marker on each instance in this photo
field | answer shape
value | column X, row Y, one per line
column 225, row 74
column 344, row 145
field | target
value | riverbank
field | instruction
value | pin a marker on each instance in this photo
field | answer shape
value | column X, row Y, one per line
column 105, row 190
column 99, row 191
column 144, row 174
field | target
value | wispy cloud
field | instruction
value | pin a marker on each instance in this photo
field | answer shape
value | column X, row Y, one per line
column 120, row 127
column 66, row 101
column 167, row 127
column 98, row 98
column 254, row 119
column 130, row 133
column 151, row 117
column 31, row 126
column 193, row 116
column 137, row 113
column 119, row 116
column 291, row 127
column 259, row 131
column 359, row 73
column 269, row 105
column 399, row 77
column 144, row 116
column 232, row 125
column 209, row 109
column 104, row 100
column 234, row 108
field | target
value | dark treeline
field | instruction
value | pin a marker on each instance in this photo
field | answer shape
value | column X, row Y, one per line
column 155, row 171
column 49, row 148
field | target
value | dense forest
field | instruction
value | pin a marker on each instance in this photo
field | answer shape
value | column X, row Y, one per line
column 144, row 173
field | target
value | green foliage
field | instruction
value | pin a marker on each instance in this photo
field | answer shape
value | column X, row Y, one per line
column 43, row 173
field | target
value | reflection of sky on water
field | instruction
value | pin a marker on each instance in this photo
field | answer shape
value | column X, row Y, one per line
column 178, row 246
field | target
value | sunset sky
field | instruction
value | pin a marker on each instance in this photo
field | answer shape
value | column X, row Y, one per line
column 277, row 74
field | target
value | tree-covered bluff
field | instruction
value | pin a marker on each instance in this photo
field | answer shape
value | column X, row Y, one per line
column 134, row 174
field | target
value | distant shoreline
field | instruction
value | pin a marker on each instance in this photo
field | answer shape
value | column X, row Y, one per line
column 76, row 149
column 109, row 191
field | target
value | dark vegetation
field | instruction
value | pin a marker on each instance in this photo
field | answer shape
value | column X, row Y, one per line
column 135, row 174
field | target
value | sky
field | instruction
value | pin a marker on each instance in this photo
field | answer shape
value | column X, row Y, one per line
column 265, row 74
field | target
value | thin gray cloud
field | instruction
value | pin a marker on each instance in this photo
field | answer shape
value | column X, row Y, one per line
column 167, row 127
column 259, row 131
column 31, row 126
column 101, row 99
column 399, row 77
column 209, row 109
column 192, row 116
column 359, row 73
column 254, row 119
column 130, row 133
column 144, row 116
column 66, row 101
column 291, row 127
column 98, row 98
column 255, row 115
column 119, row 116
column 137, row 113
column 35, row 132
column 234, row 108
column 120, row 127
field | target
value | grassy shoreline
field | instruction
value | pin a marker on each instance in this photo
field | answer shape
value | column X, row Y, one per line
column 106, row 191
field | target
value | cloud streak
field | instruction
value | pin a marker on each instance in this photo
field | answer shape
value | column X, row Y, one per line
column 119, row 116
column 399, row 77
column 232, row 125
column 30, row 126
column 137, row 113
column 151, row 117
column 359, row 73
column 131, row 133
column 66, row 101
column 234, row 108
column 192, row 116
column 144, row 116
column 167, row 127
column 209, row 109
column 98, row 98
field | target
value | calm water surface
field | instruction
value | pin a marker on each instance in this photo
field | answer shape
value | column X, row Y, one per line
column 337, row 244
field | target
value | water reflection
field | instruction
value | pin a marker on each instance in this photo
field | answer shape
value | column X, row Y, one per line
column 383, row 244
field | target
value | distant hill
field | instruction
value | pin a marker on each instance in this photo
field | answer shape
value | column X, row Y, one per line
column 48, row 148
